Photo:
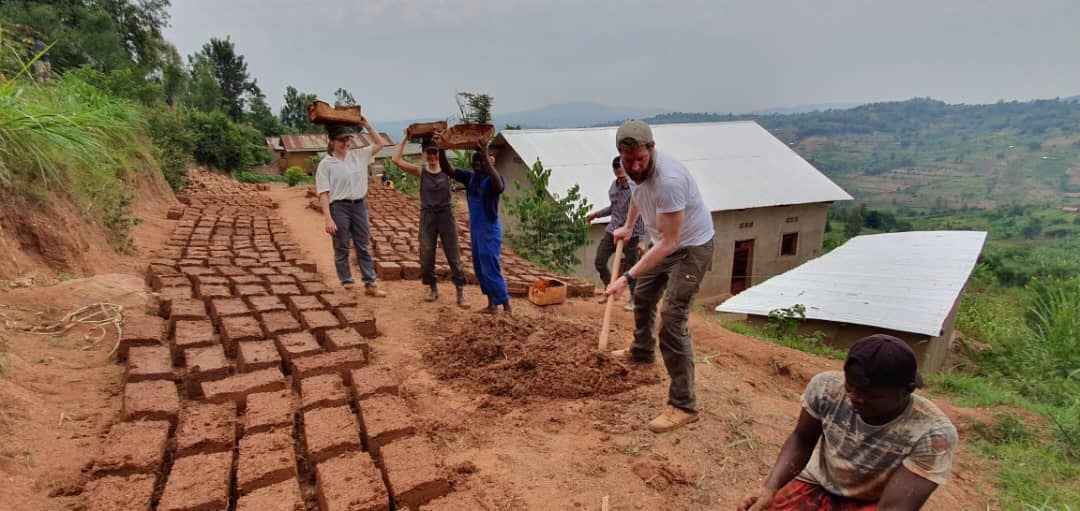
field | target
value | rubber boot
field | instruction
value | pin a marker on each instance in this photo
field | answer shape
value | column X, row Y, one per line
column 461, row 301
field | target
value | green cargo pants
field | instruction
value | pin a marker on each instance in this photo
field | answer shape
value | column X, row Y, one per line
column 677, row 278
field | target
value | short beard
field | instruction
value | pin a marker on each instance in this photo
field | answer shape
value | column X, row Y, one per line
column 648, row 170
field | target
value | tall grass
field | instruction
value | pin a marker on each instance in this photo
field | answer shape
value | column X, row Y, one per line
column 45, row 130
column 70, row 140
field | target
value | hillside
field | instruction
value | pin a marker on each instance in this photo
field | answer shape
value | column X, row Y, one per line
column 929, row 154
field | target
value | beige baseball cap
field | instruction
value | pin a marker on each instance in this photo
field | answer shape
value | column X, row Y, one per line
column 633, row 133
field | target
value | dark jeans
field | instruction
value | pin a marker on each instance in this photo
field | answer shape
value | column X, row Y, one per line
column 351, row 219
column 439, row 224
column 603, row 255
column 677, row 278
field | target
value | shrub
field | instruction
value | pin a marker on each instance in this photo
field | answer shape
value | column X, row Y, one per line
column 223, row 144
column 173, row 145
column 550, row 228
column 295, row 175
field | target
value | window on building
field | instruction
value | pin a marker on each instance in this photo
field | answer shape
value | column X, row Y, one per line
column 791, row 219
column 789, row 244
column 746, row 225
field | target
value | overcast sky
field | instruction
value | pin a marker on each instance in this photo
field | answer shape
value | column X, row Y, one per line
column 406, row 58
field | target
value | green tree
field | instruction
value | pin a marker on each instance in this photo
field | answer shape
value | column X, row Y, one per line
column 140, row 23
column 294, row 111
column 258, row 112
column 550, row 229
column 853, row 224
column 203, row 92
column 343, row 97
column 230, row 71
column 475, row 108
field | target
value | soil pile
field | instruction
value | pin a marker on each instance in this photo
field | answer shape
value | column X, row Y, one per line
column 520, row 356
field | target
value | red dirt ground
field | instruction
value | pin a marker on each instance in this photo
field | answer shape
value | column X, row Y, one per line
column 526, row 448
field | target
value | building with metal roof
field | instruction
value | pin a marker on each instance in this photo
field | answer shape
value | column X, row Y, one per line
column 298, row 149
column 906, row 284
column 768, row 203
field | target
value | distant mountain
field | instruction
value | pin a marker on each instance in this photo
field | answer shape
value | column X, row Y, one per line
column 570, row 114
column 573, row 114
column 802, row 109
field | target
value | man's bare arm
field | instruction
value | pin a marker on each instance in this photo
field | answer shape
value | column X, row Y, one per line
column 905, row 491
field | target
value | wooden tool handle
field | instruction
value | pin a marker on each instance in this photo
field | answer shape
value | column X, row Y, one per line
column 611, row 299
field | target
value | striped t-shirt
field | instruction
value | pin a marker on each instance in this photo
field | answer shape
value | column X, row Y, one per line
column 855, row 459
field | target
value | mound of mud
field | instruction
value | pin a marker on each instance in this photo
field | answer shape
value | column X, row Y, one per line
column 520, row 356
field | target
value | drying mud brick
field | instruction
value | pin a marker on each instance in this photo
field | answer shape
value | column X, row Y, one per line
column 283, row 496
column 198, row 483
column 264, row 304
column 245, row 279
column 279, row 322
column 453, row 502
column 351, row 482
column 284, row 289
column 372, row 380
column 206, row 428
column 140, row 331
column 314, row 288
column 414, row 472
column 204, row 364
column 268, row 410
column 335, row 300
column 149, row 363
column 239, row 328
column 387, row 270
column 319, row 319
column 192, row 334
column 251, row 290
column 298, row 344
column 307, row 266
column 324, row 391
column 189, row 310
column 265, row 459
column 132, row 447
column 385, row 418
column 238, row 386
column 328, row 362
column 300, row 303
column 362, row 320
column 280, row 279
column 167, row 295
column 343, row 338
column 410, row 270
column 330, row 432
column 212, row 292
column 255, row 355
column 224, row 307
column 151, row 400
column 119, row 493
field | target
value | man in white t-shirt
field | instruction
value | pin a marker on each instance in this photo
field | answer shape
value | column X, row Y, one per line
column 341, row 181
column 878, row 445
column 680, row 229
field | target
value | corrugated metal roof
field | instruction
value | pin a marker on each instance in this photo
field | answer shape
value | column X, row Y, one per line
column 905, row 281
column 737, row 165
column 316, row 142
column 274, row 144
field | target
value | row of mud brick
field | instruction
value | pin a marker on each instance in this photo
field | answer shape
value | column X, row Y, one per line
column 254, row 388
column 395, row 221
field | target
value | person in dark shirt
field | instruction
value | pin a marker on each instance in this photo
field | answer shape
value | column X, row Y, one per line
column 483, row 189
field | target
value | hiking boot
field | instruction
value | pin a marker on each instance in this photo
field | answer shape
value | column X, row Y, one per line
column 373, row 290
column 461, row 301
column 670, row 419
column 601, row 299
column 629, row 307
column 433, row 294
column 625, row 356
column 348, row 286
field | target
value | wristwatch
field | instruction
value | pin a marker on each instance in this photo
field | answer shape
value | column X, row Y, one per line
column 630, row 280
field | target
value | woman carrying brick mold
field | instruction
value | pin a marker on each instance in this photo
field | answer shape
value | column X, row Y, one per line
column 436, row 218
column 341, row 180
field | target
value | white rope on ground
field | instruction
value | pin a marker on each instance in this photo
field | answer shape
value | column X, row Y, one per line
column 98, row 315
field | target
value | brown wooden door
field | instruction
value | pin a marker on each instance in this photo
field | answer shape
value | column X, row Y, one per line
column 741, row 266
